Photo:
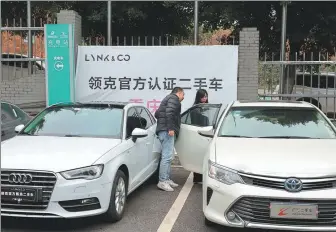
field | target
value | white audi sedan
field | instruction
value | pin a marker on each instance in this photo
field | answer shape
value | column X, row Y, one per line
column 76, row 160
column 265, row 164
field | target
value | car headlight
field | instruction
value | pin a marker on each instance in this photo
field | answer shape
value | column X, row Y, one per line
column 87, row 173
column 224, row 175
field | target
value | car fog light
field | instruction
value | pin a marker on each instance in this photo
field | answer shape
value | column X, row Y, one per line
column 231, row 215
column 233, row 219
column 88, row 201
column 81, row 205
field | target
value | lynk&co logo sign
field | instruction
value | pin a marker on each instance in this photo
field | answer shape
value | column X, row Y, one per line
column 106, row 58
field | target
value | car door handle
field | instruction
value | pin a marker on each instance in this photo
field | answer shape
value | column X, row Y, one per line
column 147, row 144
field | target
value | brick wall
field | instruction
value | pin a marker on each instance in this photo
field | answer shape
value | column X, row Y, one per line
column 72, row 17
column 24, row 90
column 248, row 64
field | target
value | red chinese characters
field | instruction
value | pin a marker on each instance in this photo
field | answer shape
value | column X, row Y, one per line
column 152, row 105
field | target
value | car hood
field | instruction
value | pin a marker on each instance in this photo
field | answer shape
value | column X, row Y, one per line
column 278, row 157
column 53, row 153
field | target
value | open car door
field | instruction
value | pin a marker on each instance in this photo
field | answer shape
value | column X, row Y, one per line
column 191, row 146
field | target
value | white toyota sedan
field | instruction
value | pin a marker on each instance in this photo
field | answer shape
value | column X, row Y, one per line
column 265, row 164
column 75, row 160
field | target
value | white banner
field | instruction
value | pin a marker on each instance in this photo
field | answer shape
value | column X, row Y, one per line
column 147, row 74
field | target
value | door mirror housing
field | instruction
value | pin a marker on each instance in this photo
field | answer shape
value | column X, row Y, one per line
column 138, row 133
column 19, row 128
column 207, row 132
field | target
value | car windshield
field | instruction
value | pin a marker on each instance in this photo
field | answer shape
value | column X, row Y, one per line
column 73, row 121
column 276, row 122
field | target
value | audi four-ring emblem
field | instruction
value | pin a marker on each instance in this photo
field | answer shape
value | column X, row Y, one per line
column 20, row 178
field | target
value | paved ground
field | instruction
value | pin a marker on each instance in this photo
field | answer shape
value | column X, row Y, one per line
column 146, row 210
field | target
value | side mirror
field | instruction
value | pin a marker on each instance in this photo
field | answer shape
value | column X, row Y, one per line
column 138, row 133
column 207, row 132
column 19, row 128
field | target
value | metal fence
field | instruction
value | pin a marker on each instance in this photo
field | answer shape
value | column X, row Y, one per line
column 306, row 78
column 22, row 48
column 15, row 49
column 152, row 41
column 135, row 41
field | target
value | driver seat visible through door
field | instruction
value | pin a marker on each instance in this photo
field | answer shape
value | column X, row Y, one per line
column 134, row 122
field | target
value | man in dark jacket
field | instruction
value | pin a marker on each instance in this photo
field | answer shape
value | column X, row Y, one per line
column 168, row 127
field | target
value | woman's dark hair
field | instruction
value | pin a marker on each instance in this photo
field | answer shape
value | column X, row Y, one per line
column 200, row 94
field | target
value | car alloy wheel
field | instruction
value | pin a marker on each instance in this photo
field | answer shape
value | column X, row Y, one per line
column 118, row 198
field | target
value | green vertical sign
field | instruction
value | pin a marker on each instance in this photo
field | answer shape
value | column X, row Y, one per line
column 59, row 47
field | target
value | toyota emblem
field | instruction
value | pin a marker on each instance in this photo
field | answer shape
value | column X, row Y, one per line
column 293, row 185
column 20, row 178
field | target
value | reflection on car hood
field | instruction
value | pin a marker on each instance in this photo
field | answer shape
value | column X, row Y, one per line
column 53, row 153
column 278, row 157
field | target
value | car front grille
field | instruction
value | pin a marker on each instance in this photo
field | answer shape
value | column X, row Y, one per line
column 279, row 183
column 257, row 210
column 43, row 181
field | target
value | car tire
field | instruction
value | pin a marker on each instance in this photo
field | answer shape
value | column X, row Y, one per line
column 208, row 223
column 115, row 211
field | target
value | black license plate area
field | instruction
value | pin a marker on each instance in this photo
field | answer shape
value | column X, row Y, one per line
column 20, row 194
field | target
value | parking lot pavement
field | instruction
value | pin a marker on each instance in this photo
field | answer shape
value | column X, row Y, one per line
column 147, row 210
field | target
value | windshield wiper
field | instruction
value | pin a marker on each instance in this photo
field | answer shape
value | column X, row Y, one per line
column 72, row 136
column 26, row 133
column 286, row 137
column 235, row 136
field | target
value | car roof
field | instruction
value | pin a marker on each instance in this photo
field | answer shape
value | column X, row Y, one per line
column 7, row 102
column 279, row 103
column 115, row 104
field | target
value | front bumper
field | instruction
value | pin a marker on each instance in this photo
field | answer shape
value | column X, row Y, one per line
column 219, row 199
column 93, row 197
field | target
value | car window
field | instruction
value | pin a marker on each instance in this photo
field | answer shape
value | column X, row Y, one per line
column 184, row 117
column 316, row 81
column 4, row 118
column 276, row 122
column 132, row 122
column 77, row 121
column 20, row 113
column 200, row 116
column 220, row 115
column 146, row 121
column 7, row 113
column 23, row 64
column 5, row 56
column 20, row 64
